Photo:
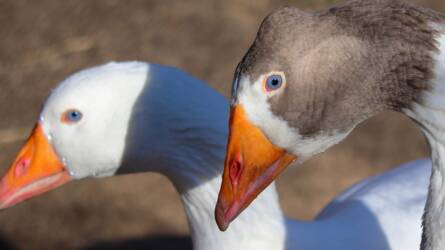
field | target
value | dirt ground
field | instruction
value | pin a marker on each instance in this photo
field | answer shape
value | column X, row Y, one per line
column 44, row 41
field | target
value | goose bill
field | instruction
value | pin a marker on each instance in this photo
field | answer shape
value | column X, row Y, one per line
column 36, row 169
column 252, row 163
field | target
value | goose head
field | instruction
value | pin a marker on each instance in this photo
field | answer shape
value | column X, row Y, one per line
column 100, row 122
column 81, row 132
column 310, row 78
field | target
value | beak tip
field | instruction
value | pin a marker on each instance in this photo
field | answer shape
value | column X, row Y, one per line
column 223, row 227
column 5, row 199
column 220, row 217
column 3, row 206
column 3, row 194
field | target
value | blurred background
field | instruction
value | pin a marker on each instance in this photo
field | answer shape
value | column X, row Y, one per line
column 44, row 41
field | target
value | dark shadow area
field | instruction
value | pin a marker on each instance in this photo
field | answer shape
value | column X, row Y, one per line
column 163, row 242
column 6, row 245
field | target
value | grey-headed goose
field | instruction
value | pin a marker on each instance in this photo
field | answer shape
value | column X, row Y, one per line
column 310, row 78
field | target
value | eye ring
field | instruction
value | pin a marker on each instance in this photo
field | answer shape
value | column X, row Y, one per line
column 71, row 116
column 274, row 81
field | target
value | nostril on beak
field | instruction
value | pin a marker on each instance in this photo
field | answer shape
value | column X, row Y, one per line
column 21, row 166
column 235, row 170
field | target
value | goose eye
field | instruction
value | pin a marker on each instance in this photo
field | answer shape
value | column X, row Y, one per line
column 274, row 82
column 71, row 116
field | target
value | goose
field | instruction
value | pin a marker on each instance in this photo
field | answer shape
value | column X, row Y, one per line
column 131, row 117
column 309, row 78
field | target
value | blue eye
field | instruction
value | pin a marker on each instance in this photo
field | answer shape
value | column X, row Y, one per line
column 274, row 82
column 72, row 116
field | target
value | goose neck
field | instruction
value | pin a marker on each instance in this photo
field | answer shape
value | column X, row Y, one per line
column 261, row 226
column 429, row 113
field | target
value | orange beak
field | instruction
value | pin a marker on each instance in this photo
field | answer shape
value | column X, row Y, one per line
column 252, row 163
column 36, row 170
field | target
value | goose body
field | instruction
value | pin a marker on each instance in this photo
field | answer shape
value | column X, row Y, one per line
column 310, row 78
column 392, row 203
column 132, row 117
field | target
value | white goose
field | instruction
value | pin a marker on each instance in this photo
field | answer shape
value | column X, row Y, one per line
column 137, row 117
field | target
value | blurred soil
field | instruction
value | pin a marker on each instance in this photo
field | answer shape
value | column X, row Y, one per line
column 44, row 41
